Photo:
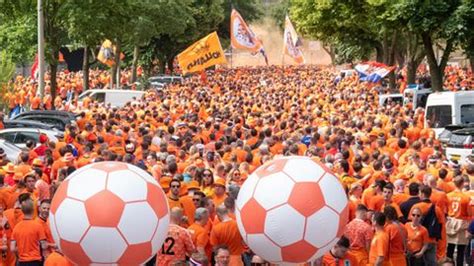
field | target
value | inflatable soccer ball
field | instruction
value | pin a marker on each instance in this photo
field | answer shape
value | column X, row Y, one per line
column 291, row 210
column 109, row 213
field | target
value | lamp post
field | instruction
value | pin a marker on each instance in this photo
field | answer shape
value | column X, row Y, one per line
column 40, row 49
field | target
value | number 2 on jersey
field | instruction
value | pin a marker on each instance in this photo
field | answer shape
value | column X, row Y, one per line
column 169, row 251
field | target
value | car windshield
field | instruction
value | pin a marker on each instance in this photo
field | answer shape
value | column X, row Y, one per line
column 439, row 116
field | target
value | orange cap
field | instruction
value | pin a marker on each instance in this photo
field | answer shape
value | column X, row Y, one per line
column 193, row 185
column 38, row 162
column 9, row 168
column 165, row 182
column 219, row 182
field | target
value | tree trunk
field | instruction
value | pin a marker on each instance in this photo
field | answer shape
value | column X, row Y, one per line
column 435, row 73
column 411, row 72
column 170, row 64
column 471, row 61
column 85, row 69
column 379, row 53
column 53, row 66
column 330, row 52
column 136, row 54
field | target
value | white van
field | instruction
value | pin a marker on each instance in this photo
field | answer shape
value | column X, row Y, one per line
column 116, row 98
column 447, row 107
column 416, row 96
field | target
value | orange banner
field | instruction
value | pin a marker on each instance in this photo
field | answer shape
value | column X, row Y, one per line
column 202, row 54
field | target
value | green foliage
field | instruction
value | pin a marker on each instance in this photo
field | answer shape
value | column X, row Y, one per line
column 18, row 37
column 278, row 12
column 7, row 69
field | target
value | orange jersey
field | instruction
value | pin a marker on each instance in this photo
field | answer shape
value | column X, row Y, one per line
column 416, row 238
column 28, row 234
column 178, row 244
column 379, row 248
column 459, row 205
column 57, row 259
column 227, row 233
column 200, row 237
column 329, row 260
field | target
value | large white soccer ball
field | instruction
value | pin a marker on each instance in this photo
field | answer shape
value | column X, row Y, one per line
column 109, row 213
column 291, row 210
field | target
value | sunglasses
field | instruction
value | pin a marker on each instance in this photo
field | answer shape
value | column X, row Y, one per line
column 175, row 186
column 196, row 199
column 416, row 215
column 206, row 175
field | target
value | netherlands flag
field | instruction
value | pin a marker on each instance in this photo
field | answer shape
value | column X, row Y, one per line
column 373, row 71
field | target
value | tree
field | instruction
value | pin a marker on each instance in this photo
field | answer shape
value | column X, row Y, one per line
column 18, row 36
column 198, row 18
column 7, row 69
column 438, row 23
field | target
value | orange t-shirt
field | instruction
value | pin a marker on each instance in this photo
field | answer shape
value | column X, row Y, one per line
column 28, row 234
column 379, row 248
column 56, row 259
column 227, row 233
column 200, row 237
column 458, row 205
column 417, row 237
column 396, row 234
column 330, row 260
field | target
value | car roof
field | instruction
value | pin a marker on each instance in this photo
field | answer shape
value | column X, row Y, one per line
column 28, row 122
column 54, row 113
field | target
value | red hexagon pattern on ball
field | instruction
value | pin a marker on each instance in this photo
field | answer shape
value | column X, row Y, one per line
column 276, row 166
column 306, row 198
column 74, row 252
column 134, row 253
column 298, row 252
column 59, row 196
column 104, row 209
column 253, row 217
column 343, row 220
column 109, row 166
column 156, row 200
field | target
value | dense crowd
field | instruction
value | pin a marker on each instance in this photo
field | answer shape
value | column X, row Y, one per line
column 201, row 139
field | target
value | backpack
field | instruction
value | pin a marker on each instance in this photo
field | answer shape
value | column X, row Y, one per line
column 431, row 223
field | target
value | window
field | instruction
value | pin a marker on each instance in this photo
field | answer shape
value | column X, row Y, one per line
column 9, row 136
column 22, row 137
column 439, row 116
column 467, row 113
column 99, row 97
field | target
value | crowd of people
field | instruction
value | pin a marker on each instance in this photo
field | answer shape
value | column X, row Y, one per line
column 201, row 139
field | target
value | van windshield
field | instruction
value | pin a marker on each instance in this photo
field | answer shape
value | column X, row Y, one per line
column 83, row 95
column 467, row 113
column 439, row 116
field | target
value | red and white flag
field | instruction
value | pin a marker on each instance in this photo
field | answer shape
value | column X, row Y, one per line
column 35, row 68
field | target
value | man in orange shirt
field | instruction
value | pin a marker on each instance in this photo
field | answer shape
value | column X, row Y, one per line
column 338, row 255
column 387, row 197
column 219, row 192
column 397, row 236
column 378, row 254
column 42, row 219
column 429, row 256
column 227, row 233
column 360, row 234
column 199, row 234
column 459, row 217
column 178, row 243
column 28, row 238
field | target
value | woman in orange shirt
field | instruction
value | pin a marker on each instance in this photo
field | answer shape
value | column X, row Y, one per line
column 417, row 240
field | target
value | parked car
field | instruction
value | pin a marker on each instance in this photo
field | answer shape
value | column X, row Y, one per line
column 460, row 144
column 11, row 150
column 58, row 119
column 447, row 132
column 19, row 136
column 27, row 123
column 165, row 79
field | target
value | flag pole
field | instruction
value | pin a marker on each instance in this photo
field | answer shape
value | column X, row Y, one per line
column 230, row 30
column 41, row 63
